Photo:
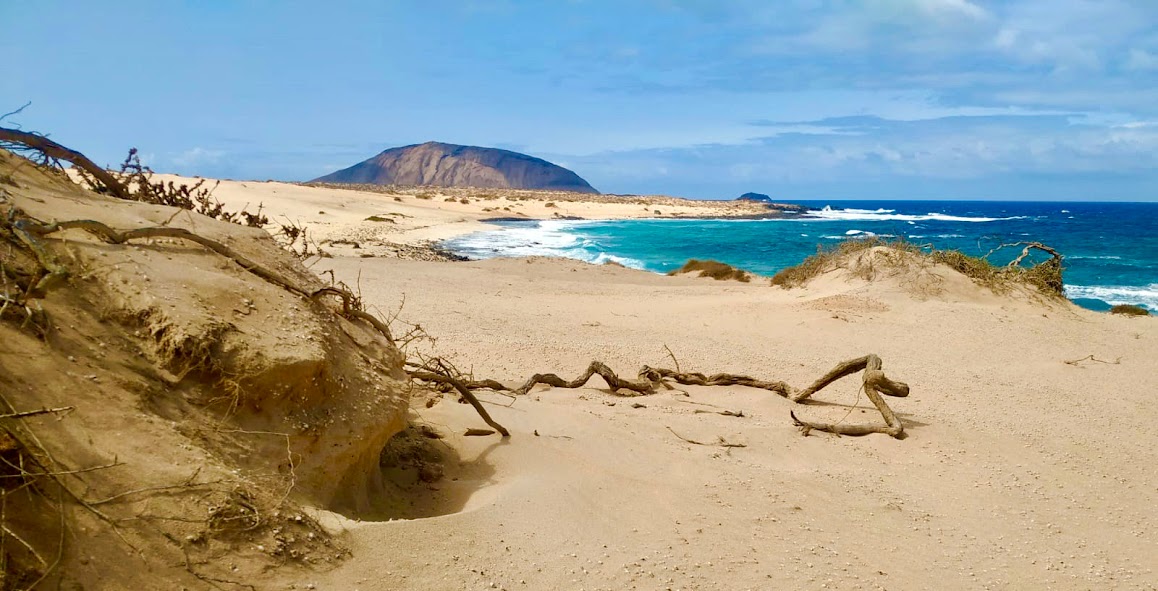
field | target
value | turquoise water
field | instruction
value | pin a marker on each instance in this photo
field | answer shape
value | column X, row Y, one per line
column 1111, row 249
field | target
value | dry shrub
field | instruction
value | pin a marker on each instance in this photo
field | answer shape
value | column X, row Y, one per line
column 714, row 269
column 424, row 196
column 1129, row 310
column 1045, row 276
column 828, row 259
column 237, row 513
column 138, row 180
column 550, row 204
column 21, row 563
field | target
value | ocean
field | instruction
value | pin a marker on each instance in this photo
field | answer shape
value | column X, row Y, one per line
column 1111, row 249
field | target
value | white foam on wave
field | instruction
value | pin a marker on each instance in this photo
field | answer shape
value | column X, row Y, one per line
column 858, row 235
column 1114, row 295
column 890, row 215
column 547, row 238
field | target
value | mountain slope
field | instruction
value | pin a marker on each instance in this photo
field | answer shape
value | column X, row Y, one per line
column 449, row 165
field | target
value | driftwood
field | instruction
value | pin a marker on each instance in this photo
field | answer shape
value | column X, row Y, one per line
column 596, row 368
column 874, row 380
column 875, row 383
column 846, row 368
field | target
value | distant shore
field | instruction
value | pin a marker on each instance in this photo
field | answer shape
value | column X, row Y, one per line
column 407, row 222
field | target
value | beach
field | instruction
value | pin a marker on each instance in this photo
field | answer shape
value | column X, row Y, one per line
column 421, row 215
column 1029, row 460
column 1020, row 470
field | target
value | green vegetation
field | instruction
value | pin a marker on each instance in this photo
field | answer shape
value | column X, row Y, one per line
column 1129, row 310
column 826, row 260
column 1045, row 276
column 714, row 269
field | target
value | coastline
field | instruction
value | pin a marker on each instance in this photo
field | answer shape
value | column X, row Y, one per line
column 417, row 222
column 380, row 220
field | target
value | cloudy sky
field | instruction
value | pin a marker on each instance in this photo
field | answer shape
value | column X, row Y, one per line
column 801, row 99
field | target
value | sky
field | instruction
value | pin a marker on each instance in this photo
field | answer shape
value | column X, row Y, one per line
column 799, row 99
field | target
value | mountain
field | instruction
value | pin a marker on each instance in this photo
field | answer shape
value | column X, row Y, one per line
column 449, row 165
column 754, row 197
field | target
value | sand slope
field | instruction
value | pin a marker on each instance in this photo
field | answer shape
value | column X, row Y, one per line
column 1020, row 471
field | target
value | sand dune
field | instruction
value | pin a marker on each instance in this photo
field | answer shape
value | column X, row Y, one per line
column 1020, row 471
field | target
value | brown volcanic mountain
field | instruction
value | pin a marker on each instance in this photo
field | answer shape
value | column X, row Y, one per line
column 449, row 165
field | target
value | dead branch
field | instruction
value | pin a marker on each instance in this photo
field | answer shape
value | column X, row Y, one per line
column 720, row 441
column 16, row 112
column 726, row 413
column 31, row 232
column 113, row 464
column 658, row 375
column 32, row 413
column 465, row 393
column 1092, row 359
column 54, row 150
column 675, row 362
column 875, row 383
column 597, row 367
column 1028, row 246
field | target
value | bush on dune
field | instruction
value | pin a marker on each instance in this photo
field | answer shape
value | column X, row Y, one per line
column 1044, row 276
column 714, row 269
column 1129, row 310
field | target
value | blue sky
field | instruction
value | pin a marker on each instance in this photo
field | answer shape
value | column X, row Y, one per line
column 804, row 99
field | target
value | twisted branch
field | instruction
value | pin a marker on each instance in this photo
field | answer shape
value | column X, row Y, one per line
column 54, row 150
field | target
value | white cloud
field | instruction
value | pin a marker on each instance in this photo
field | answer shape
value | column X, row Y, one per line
column 1140, row 59
column 197, row 156
column 952, row 8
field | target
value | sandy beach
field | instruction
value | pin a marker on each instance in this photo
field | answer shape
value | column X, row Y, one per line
column 379, row 220
column 1021, row 471
column 1030, row 460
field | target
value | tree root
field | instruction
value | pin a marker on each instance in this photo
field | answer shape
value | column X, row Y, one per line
column 875, row 384
column 658, row 374
column 597, row 367
column 463, row 390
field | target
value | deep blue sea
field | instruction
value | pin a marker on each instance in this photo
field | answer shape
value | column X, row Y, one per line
column 1111, row 249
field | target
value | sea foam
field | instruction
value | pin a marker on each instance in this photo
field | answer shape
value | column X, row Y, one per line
column 890, row 215
column 547, row 238
column 1146, row 295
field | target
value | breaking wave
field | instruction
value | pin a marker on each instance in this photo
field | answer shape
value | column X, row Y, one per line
column 1114, row 295
column 890, row 215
